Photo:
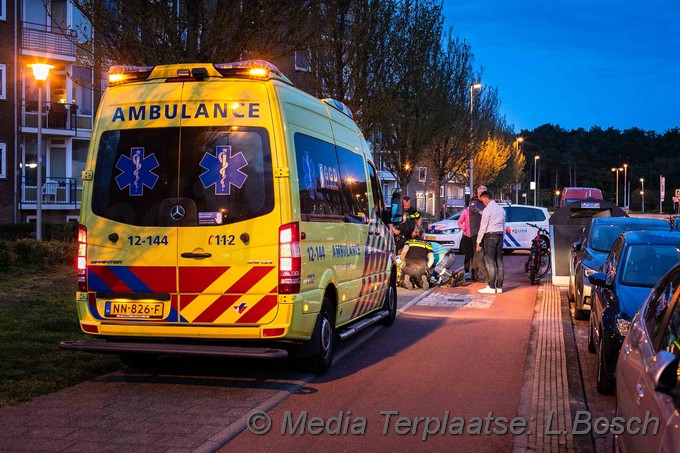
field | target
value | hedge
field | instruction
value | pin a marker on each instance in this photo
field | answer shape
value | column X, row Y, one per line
column 65, row 232
column 31, row 253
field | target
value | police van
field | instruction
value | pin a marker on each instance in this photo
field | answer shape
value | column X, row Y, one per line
column 226, row 212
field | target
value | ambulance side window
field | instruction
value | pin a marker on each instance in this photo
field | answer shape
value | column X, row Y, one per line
column 318, row 177
column 354, row 187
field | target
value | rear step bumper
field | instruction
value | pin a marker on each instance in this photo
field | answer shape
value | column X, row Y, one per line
column 112, row 347
column 122, row 347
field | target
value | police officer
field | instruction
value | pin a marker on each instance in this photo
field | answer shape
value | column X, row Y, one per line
column 418, row 257
column 411, row 219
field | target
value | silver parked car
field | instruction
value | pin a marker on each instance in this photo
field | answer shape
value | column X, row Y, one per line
column 647, row 384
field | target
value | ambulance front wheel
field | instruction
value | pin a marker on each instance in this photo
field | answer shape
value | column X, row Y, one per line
column 323, row 340
column 390, row 303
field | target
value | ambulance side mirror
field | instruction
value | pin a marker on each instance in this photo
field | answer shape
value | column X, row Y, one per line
column 396, row 208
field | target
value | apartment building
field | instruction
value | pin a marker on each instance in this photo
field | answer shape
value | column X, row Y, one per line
column 31, row 33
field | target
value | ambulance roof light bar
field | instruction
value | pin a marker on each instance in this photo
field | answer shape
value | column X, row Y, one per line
column 121, row 74
column 256, row 69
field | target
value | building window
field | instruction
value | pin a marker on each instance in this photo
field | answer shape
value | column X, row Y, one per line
column 3, row 80
column 302, row 60
column 441, row 191
column 422, row 174
column 2, row 10
column 3, row 160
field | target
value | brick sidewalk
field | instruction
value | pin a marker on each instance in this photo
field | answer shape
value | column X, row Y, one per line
column 545, row 394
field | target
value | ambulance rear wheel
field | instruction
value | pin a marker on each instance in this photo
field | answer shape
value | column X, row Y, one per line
column 324, row 339
column 390, row 303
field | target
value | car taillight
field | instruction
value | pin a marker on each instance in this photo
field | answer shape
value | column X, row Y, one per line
column 290, row 261
column 81, row 260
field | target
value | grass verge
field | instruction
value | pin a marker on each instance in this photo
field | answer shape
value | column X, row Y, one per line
column 37, row 310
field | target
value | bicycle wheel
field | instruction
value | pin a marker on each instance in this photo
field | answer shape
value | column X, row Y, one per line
column 532, row 268
column 544, row 264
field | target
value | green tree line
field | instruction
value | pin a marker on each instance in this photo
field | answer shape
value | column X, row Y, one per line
column 585, row 158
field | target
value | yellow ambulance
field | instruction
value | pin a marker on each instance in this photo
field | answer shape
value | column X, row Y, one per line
column 226, row 212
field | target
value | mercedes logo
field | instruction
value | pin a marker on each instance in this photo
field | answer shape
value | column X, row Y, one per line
column 177, row 212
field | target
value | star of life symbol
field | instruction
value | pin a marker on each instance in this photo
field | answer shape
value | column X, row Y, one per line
column 137, row 172
column 223, row 170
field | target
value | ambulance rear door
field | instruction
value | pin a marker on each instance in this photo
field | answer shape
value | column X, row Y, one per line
column 225, row 211
column 132, row 251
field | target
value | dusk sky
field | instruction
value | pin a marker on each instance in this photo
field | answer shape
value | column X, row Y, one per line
column 577, row 63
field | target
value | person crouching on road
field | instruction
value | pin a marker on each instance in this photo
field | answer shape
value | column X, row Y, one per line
column 490, row 235
column 418, row 257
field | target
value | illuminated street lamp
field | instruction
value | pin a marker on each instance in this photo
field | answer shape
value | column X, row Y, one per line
column 642, row 194
column 473, row 86
column 557, row 197
column 40, row 73
column 617, row 170
column 625, row 187
column 535, row 177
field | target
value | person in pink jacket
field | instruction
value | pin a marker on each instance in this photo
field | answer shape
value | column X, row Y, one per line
column 466, row 245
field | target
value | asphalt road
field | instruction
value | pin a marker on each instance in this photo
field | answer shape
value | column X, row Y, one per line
column 467, row 362
column 434, row 359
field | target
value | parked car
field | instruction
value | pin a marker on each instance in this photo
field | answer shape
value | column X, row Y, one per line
column 518, row 234
column 446, row 232
column 589, row 253
column 571, row 194
column 636, row 262
column 648, row 378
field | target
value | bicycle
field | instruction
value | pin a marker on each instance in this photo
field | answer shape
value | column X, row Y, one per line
column 538, row 263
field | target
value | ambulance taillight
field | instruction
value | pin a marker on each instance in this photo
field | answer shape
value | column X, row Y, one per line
column 81, row 259
column 290, row 260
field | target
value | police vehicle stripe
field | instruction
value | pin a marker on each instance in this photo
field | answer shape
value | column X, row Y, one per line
column 511, row 237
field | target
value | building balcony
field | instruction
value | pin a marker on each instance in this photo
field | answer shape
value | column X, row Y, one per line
column 46, row 39
column 57, row 118
column 56, row 193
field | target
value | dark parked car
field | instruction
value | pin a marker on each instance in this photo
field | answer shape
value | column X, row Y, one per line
column 636, row 262
column 647, row 383
column 589, row 254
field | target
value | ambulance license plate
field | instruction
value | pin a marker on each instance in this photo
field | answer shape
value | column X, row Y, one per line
column 133, row 309
column 430, row 238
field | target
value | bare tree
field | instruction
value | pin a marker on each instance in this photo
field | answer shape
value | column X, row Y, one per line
column 406, row 121
column 448, row 150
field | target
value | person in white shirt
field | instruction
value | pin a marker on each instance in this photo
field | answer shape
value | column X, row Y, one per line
column 490, row 234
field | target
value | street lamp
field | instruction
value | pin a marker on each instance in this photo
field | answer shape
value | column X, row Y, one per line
column 642, row 194
column 625, row 187
column 617, row 170
column 473, row 86
column 519, row 150
column 557, row 198
column 40, row 73
column 535, row 178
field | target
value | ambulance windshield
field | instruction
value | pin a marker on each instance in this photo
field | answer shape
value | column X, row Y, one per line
column 216, row 175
